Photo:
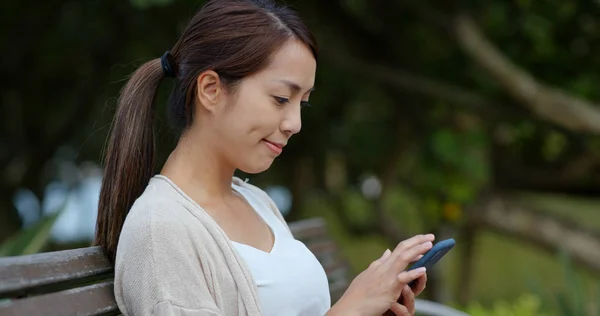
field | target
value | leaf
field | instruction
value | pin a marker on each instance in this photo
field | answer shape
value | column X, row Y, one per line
column 31, row 240
column 446, row 146
column 563, row 305
column 554, row 144
column 574, row 297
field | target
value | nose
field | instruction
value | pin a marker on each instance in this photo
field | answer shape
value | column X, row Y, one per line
column 292, row 121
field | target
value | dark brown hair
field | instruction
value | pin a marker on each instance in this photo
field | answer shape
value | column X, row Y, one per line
column 235, row 38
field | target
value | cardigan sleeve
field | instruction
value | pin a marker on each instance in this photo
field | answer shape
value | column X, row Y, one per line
column 167, row 308
column 158, row 271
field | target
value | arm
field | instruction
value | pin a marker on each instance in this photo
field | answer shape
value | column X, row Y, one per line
column 157, row 271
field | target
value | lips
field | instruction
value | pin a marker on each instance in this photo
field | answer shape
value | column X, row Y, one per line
column 276, row 148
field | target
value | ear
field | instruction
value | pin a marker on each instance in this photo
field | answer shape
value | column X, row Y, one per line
column 209, row 92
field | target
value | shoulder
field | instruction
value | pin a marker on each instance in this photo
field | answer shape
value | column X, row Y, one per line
column 155, row 208
column 158, row 219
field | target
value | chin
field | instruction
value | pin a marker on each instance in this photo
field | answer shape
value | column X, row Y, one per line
column 256, row 168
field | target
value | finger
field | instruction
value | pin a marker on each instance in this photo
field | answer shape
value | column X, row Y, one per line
column 402, row 259
column 399, row 310
column 386, row 254
column 406, row 276
column 408, row 299
column 413, row 241
column 420, row 284
column 401, row 249
column 417, row 258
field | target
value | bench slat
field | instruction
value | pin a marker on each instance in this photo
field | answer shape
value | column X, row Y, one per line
column 39, row 273
column 308, row 229
column 322, row 247
column 91, row 300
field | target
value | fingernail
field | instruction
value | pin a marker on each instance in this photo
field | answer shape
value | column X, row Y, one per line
column 385, row 254
column 421, row 270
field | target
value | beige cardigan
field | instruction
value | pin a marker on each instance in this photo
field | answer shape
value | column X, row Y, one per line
column 173, row 258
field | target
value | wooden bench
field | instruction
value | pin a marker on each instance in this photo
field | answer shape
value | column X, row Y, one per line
column 80, row 281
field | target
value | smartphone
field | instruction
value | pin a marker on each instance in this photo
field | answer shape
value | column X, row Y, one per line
column 432, row 256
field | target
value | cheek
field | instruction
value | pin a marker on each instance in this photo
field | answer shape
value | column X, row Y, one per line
column 240, row 126
column 255, row 119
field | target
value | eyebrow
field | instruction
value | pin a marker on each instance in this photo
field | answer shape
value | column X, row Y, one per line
column 294, row 86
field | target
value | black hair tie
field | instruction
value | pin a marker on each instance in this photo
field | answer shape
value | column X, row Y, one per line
column 166, row 66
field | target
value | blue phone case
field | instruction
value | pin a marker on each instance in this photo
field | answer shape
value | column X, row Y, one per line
column 433, row 255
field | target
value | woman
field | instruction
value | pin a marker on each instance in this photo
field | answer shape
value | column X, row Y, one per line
column 194, row 240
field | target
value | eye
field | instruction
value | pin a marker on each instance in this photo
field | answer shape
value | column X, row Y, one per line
column 305, row 104
column 281, row 100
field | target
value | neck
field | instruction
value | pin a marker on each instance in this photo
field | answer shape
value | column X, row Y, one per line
column 199, row 170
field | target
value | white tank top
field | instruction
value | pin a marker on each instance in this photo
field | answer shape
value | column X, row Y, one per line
column 290, row 279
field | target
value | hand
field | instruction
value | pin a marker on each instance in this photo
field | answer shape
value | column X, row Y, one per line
column 376, row 289
column 407, row 298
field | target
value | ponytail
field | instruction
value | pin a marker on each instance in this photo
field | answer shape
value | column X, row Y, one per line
column 129, row 160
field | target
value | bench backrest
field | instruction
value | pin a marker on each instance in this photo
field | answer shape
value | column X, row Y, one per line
column 80, row 281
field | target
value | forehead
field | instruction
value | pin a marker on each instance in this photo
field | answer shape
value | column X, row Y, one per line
column 293, row 62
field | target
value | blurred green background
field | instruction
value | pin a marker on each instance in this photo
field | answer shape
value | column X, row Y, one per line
column 470, row 119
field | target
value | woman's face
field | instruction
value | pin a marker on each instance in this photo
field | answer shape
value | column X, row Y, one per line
column 261, row 115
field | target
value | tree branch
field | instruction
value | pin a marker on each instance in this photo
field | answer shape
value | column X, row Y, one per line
column 548, row 103
column 420, row 85
column 550, row 232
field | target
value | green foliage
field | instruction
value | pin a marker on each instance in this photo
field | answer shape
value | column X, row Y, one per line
column 526, row 305
column 571, row 301
column 554, row 144
column 405, row 202
column 575, row 298
column 451, row 169
column 30, row 240
column 539, row 30
column 356, row 207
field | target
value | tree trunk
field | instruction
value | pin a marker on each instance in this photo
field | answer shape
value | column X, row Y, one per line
column 302, row 180
column 467, row 258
